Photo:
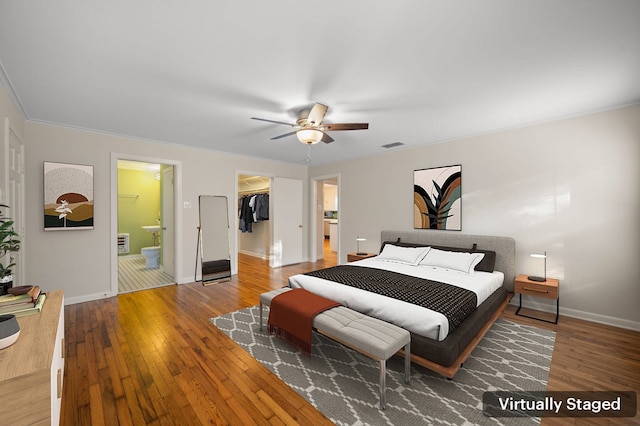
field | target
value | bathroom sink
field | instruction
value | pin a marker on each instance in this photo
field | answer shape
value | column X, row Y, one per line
column 152, row 228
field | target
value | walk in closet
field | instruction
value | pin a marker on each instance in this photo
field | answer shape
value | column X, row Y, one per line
column 254, row 230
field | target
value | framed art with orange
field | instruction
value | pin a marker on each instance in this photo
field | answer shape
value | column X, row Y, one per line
column 437, row 198
column 68, row 197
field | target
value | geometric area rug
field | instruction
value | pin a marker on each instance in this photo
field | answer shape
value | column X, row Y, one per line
column 343, row 384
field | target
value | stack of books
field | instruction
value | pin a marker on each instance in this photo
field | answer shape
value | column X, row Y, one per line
column 22, row 304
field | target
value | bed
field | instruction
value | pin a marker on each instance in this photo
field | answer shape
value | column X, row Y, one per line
column 442, row 338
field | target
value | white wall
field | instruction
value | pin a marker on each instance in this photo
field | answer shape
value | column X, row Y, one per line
column 79, row 261
column 570, row 187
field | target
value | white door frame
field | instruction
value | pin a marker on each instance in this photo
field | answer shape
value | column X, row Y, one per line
column 12, row 193
column 177, row 203
column 315, row 218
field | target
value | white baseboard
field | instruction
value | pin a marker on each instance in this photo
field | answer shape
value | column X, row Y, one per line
column 253, row 254
column 87, row 298
column 574, row 313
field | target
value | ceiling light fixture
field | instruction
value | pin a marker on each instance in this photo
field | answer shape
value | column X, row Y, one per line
column 309, row 136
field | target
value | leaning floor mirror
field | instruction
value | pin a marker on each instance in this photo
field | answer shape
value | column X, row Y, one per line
column 213, row 239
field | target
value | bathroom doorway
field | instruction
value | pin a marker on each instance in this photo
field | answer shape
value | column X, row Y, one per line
column 145, row 225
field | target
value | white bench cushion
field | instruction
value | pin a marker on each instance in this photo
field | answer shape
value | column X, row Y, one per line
column 371, row 336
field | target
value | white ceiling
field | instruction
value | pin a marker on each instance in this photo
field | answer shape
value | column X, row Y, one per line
column 194, row 72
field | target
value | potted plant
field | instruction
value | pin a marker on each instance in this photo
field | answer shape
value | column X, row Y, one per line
column 8, row 244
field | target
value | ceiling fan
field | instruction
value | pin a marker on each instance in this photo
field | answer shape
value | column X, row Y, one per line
column 310, row 128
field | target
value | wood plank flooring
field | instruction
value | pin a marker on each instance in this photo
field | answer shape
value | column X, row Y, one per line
column 153, row 357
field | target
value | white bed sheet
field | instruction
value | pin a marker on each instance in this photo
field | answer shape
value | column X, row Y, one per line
column 414, row 318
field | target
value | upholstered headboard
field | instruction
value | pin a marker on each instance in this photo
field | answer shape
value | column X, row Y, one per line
column 504, row 247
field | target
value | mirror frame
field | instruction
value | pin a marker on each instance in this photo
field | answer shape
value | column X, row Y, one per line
column 213, row 232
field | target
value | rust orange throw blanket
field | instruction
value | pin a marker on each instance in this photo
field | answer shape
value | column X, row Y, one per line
column 291, row 316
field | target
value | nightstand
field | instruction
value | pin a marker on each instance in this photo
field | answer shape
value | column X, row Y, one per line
column 548, row 289
column 352, row 257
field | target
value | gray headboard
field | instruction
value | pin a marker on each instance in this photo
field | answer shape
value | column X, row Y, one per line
column 504, row 247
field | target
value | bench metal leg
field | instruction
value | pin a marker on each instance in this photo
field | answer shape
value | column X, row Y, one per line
column 383, row 383
column 260, row 316
column 407, row 363
column 383, row 374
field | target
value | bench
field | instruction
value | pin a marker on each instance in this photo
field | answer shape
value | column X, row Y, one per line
column 370, row 336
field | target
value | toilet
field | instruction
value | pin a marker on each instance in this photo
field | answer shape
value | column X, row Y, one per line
column 152, row 254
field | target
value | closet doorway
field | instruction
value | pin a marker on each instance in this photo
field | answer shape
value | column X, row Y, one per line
column 278, row 240
column 254, row 230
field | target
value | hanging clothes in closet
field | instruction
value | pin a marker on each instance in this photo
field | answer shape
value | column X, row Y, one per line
column 252, row 208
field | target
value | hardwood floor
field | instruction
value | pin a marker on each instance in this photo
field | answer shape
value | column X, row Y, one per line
column 153, row 357
column 589, row 357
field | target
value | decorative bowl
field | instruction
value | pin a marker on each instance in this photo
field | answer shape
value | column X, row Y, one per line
column 9, row 330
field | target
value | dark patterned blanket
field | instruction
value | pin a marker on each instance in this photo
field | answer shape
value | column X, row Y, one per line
column 453, row 302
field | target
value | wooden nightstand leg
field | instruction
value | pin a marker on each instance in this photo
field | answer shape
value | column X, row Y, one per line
column 519, row 304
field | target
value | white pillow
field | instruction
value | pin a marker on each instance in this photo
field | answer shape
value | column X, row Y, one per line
column 452, row 260
column 409, row 255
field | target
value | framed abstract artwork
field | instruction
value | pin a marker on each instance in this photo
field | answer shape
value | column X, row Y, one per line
column 437, row 198
column 68, row 196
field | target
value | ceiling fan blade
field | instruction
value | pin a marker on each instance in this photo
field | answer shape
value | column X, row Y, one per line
column 273, row 121
column 326, row 138
column 285, row 135
column 346, row 126
column 316, row 115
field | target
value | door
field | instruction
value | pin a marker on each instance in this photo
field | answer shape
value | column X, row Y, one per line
column 287, row 204
column 13, row 195
column 167, row 219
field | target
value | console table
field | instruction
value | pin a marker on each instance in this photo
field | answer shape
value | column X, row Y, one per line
column 32, row 369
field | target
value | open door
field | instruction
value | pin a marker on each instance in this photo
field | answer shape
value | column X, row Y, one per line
column 287, row 221
column 168, row 222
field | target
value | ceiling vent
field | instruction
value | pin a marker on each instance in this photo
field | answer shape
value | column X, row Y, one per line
column 393, row 145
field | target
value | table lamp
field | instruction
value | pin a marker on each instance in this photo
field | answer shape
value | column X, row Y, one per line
column 358, row 239
column 540, row 256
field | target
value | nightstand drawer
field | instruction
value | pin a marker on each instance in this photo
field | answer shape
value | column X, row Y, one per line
column 536, row 289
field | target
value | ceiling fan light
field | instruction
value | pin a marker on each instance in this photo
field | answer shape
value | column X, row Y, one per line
column 309, row 136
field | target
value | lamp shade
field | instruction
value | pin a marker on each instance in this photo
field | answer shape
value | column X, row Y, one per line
column 540, row 256
column 309, row 136
column 358, row 239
